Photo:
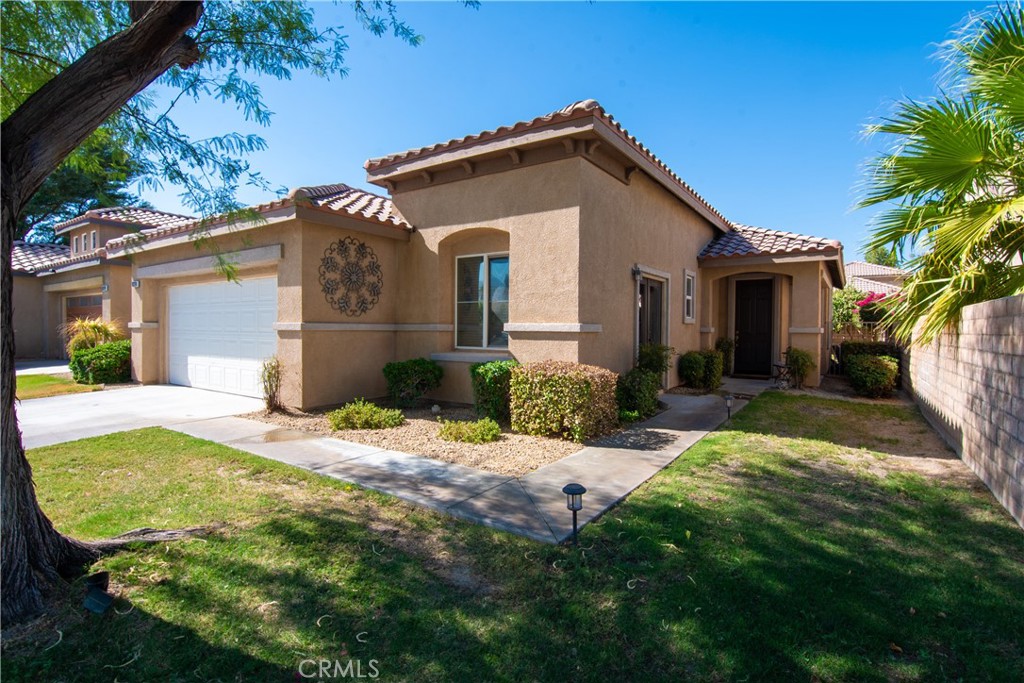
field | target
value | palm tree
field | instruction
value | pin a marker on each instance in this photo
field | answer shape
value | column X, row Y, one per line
column 955, row 180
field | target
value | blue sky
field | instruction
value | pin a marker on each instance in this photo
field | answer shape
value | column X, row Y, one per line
column 759, row 106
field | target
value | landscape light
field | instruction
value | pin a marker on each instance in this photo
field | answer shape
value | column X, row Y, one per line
column 574, row 501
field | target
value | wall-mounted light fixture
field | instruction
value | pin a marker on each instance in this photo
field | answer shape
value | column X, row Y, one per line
column 637, row 272
column 105, row 287
column 136, row 283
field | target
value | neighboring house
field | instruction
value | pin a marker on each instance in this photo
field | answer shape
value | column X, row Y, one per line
column 871, row 277
column 58, row 283
column 556, row 238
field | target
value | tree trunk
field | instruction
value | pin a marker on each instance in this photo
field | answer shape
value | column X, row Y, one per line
column 36, row 138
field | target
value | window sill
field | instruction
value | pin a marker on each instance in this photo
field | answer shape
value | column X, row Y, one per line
column 482, row 356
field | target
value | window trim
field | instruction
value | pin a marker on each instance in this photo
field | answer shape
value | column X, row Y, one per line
column 487, row 297
column 93, row 239
column 74, row 247
column 691, row 298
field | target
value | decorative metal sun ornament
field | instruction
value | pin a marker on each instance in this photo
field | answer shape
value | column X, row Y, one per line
column 351, row 277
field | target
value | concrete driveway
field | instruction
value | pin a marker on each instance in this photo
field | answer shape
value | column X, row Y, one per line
column 45, row 421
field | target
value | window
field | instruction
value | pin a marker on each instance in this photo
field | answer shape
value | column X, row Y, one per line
column 481, row 301
column 689, row 290
column 93, row 239
column 74, row 248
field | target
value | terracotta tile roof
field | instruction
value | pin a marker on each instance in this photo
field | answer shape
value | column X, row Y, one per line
column 867, row 270
column 129, row 216
column 746, row 240
column 352, row 201
column 581, row 109
column 28, row 257
column 337, row 199
column 91, row 255
column 866, row 285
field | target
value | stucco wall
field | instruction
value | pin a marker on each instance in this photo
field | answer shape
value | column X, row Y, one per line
column 970, row 386
column 623, row 225
column 29, row 317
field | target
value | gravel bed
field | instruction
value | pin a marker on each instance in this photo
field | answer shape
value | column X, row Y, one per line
column 513, row 454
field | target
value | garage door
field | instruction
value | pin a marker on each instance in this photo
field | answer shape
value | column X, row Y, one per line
column 220, row 333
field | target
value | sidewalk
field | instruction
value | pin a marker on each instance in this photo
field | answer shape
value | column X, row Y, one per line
column 531, row 506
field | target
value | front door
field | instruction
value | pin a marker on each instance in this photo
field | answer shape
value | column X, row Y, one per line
column 753, row 327
column 651, row 311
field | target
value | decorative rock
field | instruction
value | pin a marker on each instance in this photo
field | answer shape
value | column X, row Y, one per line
column 435, row 409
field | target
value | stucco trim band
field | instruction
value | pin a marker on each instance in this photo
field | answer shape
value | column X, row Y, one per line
column 562, row 328
column 362, row 327
column 807, row 330
column 143, row 326
column 469, row 357
column 247, row 258
column 84, row 283
column 707, row 330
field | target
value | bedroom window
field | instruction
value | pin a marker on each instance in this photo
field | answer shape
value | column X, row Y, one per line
column 93, row 239
column 481, row 301
column 689, row 291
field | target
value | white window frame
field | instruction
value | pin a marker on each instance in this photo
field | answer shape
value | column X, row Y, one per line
column 93, row 239
column 74, row 247
column 689, row 298
column 487, row 297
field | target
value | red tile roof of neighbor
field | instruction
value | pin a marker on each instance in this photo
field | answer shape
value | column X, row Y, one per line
column 29, row 257
column 866, row 285
column 576, row 110
column 746, row 240
column 864, row 269
column 127, row 216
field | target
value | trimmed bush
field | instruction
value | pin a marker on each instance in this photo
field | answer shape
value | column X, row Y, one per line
column 691, row 369
column 873, row 376
column 637, row 391
column 656, row 358
column 628, row 416
column 800, row 365
column 361, row 414
column 570, row 399
column 491, row 388
column 270, row 378
column 857, row 348
column 103, row 364
column 712, row 369
column 481, row 431
column 409, row 380
column 728, row 348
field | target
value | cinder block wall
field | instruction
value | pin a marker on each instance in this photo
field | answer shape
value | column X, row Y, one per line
column 970, row 386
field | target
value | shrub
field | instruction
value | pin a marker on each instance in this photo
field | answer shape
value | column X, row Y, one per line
column 361, row 414
column 574, row 400
column 844, row 308
column 800, row 365
column 408, row 380
column 728, row 348
column 872, row 375
column 656, row 358
column 691, row 369
column 712, row 369
column 856, row 348
column 103, row 364
column 628, row 416
column 270, row 378
column 481, row 431
column 491, row 388
column 86, row 333
column 637, row 391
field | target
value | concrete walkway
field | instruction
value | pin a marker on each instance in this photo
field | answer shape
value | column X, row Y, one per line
column 531, row 506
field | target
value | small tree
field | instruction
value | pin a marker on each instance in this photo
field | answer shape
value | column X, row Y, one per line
column 845, row 310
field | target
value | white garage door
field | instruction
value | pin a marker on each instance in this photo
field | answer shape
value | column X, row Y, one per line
column 220, row 334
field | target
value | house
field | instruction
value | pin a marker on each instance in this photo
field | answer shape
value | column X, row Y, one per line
column 59, row 283
column 874, row 278
column 561, row 237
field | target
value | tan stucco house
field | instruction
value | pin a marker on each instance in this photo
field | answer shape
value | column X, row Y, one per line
column 556, row 238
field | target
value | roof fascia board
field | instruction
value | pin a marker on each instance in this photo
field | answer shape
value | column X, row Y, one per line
column 329, row 217
column 754, row 259
column 71, row 266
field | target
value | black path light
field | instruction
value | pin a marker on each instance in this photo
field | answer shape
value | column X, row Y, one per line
column 574, row 501
column 728, row 404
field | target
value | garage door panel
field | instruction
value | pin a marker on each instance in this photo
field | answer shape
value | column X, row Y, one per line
column 220, row 334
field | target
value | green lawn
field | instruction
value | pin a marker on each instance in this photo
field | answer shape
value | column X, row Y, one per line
column 788, row 546
column 41, row 386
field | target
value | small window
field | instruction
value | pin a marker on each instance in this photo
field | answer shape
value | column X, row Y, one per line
column 481, row 301
column 74, row 246
column 93, row 239
column 689, row 289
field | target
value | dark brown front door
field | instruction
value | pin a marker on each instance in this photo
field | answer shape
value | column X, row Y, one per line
column 651, row 297
column 753, row 327
column 79, row 307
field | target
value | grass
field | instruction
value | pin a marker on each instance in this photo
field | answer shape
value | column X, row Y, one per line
column 41, row 386
column 770, row 551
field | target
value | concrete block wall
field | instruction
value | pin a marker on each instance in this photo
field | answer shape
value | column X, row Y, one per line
column 970, row 386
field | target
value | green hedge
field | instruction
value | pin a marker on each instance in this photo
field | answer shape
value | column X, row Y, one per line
column 637, row 391
column 701, row 369
column 656, row 358
column 103, row 364
column 409, row 380
column 857, row 348
column 570, row 399
column 800, row 365
column 728, row 348
column 713, row 364
column 873, row 376
column 361, row 414
column 491, row 389
column 481, row 431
